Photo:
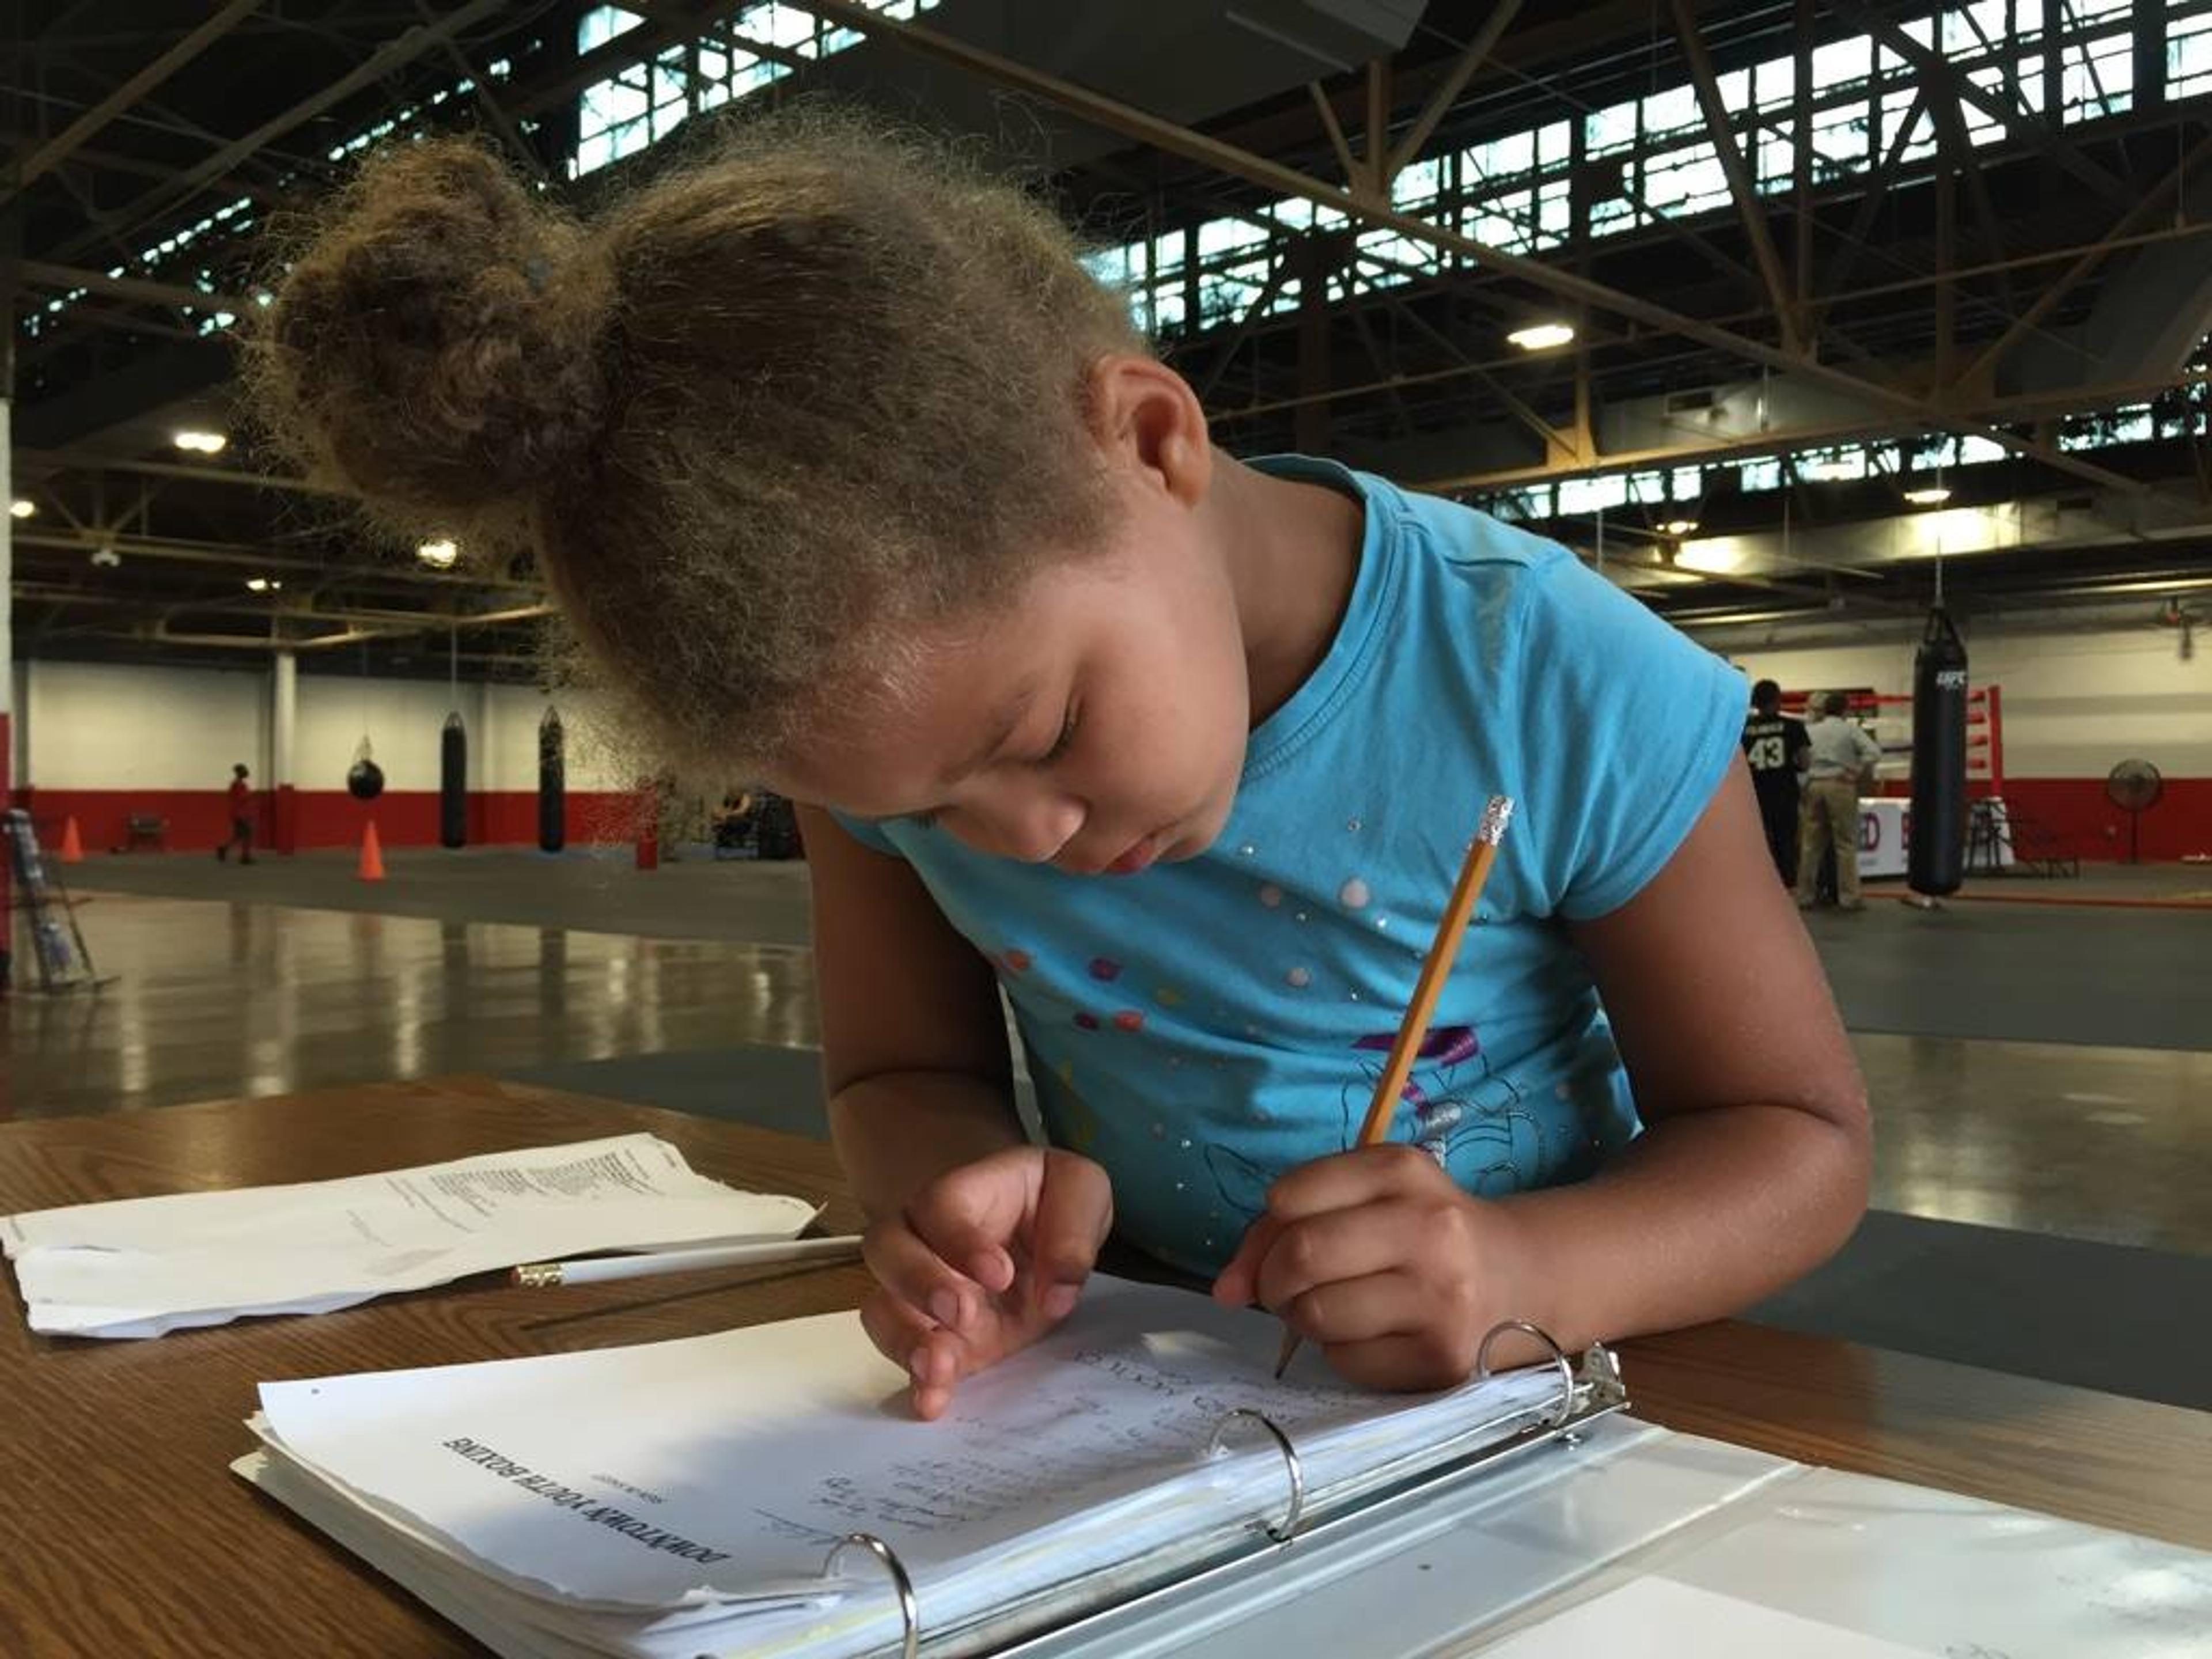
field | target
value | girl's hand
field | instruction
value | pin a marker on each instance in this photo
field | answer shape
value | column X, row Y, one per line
column 983, row 1262
column 1377, row 1257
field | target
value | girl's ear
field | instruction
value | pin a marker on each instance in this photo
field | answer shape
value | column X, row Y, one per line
column 1149, row 421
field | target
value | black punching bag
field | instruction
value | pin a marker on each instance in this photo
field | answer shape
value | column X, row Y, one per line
column 1936, row 862
column 453, row 783
column 552, row 785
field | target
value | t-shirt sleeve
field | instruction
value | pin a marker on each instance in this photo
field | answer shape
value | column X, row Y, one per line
column 1631, row 728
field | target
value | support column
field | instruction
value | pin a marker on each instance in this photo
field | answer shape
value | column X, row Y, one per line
column 11, row 242
column 1314, row 258
column 7, row 642
column 284, row 804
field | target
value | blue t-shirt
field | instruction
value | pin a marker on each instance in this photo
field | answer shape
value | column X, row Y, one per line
column 1203, row 1027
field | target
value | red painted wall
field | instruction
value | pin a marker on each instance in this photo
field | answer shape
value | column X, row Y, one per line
column 200, row 818
column 2072, row 812
column 2070, row 815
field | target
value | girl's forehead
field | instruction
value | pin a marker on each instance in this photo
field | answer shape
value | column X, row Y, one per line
column 891, row 743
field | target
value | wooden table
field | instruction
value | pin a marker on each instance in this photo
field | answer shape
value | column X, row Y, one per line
column 122, row 1531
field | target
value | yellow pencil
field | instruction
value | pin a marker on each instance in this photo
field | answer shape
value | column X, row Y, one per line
column 1481, row 853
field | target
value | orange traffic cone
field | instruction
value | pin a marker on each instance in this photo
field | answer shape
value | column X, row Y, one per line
column 72, row 849
column 371, row 856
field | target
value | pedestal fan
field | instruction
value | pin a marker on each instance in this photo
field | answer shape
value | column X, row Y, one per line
column 2134, row 787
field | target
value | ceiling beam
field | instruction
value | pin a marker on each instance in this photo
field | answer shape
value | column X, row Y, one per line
column 254, row 605
column 664, row 24
column 1334, row 129
column 2023, row 124
column 64, row 142
column 77, row 460
column 1176, row 139
column 41, row 274
column 1447, row 91
column 91, row 159
column 2146, row 208
column 1749, row 211
column 233, row 556
column 393, row 54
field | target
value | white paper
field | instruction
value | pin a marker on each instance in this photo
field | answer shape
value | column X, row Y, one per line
column 1662, row 1618
column 722, row 1467
column 139, row 1267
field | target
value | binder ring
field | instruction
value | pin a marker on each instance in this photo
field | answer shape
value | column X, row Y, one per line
column 1288, row 1528
column 909, row 1609
column 1566, row 1407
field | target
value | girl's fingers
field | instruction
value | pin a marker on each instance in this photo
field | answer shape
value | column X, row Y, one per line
column 909, row 1270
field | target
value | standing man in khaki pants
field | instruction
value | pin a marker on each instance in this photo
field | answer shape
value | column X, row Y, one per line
column 1840, row 756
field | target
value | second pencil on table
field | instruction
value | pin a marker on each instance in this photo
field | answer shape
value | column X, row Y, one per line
column 761, row 1253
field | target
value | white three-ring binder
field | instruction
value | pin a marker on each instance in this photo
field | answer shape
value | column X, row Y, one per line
column 1459, row 1522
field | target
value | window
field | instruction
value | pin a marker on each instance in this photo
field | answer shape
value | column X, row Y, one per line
column 744, row 52
column 2098, row 78
column 600, row 24
column 1842, row 63
column 1419, row 184
column 1608, row 130
column 1840, row 140
column 1512, row 191
column 2189, row 57
column 1671, row 112
column 1680, row 183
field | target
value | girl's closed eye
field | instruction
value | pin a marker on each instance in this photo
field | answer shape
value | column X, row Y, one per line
column 1060, row 744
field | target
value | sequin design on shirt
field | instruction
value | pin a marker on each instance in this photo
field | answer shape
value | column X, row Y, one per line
column 1456, row 1118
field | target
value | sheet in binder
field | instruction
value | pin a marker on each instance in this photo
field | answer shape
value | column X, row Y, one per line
column 685, row 1499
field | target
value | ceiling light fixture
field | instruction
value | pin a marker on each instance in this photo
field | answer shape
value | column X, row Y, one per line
column 262, row 584
column 1543, row 337
column 1928, row 494
column 201, row 443
column 439, row 555
column 1678, row 528
column 21, row 508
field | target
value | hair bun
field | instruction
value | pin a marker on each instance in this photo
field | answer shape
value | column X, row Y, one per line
column 437, row 346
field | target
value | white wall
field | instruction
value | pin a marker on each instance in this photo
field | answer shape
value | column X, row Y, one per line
column 508, row 743
column 402, row 719
column 2075, row 702
column 86, row 726
column 101, row 726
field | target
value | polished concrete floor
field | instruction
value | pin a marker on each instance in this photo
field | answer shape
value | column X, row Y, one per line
column 210, row 999
column 2042, row 1074
column 2106, row 1141
column 2119, row 972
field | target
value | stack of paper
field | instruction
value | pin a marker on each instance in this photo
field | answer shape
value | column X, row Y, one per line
column 680, row 1499
column 142, row 1266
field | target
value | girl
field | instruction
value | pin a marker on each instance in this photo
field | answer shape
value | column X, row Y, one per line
column 847, row 476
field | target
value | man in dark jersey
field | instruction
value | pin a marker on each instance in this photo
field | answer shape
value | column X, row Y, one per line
column 1775, row 747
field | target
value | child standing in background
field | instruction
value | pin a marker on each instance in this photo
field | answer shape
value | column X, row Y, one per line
column 847, row 476
column 240, row 799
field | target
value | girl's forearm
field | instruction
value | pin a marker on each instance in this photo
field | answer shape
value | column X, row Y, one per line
column 1704, row 1214
column 898, row 1131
